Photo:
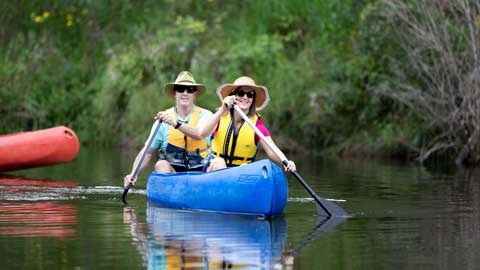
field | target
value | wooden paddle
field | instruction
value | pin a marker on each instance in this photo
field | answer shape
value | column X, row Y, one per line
column 324, row 207
column 137, row 167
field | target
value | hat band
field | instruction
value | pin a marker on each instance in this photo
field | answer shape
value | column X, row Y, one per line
column 186, row 81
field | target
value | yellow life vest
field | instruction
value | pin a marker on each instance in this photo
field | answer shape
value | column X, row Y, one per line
column 180, row 140
column 238, row 148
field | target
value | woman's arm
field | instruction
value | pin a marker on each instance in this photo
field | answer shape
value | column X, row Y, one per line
column 209, row 126
column 212, row 122
column 277, row 158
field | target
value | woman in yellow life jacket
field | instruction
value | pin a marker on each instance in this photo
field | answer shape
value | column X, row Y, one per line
column 176, row 142
column 235, row 143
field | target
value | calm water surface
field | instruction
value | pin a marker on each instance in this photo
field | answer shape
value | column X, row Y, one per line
column 403, row 217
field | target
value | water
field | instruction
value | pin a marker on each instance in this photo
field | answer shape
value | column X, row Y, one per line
column 403, row 217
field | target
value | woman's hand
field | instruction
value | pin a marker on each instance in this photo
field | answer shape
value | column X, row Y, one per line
column 290, row 166
column 228, row 102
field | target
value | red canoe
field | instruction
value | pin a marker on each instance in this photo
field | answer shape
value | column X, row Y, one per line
column 45, row 147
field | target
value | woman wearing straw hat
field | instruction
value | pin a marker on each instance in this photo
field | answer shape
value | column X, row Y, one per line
column 179, row 148
column 234, row 143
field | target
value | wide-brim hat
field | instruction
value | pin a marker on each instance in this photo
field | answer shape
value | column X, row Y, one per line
column 261, row 92
column 184, row 78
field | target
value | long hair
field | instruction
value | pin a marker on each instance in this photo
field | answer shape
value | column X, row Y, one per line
column 252, row 109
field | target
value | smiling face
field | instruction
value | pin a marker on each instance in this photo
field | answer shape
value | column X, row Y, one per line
column 245, row 98
column 185, row 95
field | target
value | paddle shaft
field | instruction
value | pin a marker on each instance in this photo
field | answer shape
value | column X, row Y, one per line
column 283, row 159
column 137, row 167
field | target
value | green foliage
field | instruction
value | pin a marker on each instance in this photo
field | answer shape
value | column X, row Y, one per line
column 101, row 66
column 256, row 57
column 40, row 87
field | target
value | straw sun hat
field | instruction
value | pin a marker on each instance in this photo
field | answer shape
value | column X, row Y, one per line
column 261, row 92
column 184, row 78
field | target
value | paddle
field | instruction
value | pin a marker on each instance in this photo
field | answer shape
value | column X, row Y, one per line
column 137, row 167
column 324, row 207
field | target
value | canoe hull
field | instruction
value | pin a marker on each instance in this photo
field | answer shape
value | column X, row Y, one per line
column 259, row 188
column 45, row 147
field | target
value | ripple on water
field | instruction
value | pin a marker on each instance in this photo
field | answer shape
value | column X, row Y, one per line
column 21, row 189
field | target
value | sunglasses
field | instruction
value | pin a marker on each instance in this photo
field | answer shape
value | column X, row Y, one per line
column 189, row 89
column 241, row 93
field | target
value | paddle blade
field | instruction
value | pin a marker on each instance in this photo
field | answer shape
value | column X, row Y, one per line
column 324, row 207
column 332, row 207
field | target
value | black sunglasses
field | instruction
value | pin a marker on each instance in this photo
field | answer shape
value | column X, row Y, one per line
column 182, row 88
column 241, row 93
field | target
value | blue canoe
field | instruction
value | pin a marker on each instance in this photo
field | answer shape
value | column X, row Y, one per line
column 258, row 188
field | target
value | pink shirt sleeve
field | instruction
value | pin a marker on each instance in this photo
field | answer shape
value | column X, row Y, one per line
column 262, row 129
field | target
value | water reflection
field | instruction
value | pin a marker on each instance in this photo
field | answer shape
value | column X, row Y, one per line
column 20, row 216
column 175, row 239
column 37, row 219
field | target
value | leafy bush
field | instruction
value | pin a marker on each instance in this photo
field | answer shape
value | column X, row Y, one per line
column 101, row 66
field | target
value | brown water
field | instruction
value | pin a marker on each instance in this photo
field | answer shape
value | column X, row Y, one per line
column 403, row 217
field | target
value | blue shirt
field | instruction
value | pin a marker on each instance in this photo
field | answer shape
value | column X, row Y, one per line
column 161, row 140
